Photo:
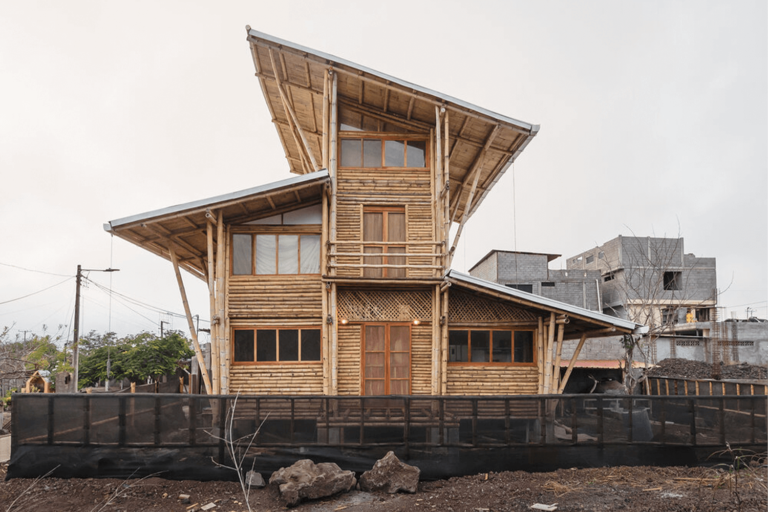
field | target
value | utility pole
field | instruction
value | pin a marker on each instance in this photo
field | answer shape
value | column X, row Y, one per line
column 76, row 328
column 162, row 332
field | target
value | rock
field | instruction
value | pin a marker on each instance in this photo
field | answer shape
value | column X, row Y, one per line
column 184, row 498
column 254, row 479
column 306, row 480
column 391, row 475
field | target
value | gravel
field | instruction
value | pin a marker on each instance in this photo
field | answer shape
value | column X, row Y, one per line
column 687, row 369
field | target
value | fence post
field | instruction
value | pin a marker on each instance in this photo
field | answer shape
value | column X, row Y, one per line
column 752, row 402
column 50, row 419
column 222, row 426
column 600, row 423
column 121, row 420
column 631, row 436
column 86, row 420
column 507, row 423
column 407, row 425
column 474, row 422
column 192, row 407
column 721, row 419
column 362, row 420
column 441, row 420
column 158, row 413
column 692, row 407
column 574, row 421
column 663, row 419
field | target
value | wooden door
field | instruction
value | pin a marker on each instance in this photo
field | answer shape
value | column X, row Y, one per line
column 386, row 359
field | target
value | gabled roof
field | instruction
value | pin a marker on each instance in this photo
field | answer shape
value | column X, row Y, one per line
column 396, row 105
column 581, row 320
column 184, row 225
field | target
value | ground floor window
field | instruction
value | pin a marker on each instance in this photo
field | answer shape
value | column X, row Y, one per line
column 490, row 346
column 269, row 345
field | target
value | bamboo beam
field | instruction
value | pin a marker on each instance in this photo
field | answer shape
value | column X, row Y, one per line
column 192, row 332
column 301, row 139
column 474, row 174
column 571, row 364
column 212, row 300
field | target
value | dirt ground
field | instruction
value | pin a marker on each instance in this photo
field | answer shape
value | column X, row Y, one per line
column 618, row 488
column 688, row 369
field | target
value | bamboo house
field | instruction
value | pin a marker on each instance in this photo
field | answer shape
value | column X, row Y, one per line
column 338, row 281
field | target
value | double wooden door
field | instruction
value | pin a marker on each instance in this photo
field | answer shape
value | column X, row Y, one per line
column 386, row 364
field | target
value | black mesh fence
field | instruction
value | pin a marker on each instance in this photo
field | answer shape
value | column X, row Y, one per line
column 184, row 436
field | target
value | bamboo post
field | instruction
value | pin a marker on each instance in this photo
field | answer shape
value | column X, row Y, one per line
column 133, row 387
column 326, row 288
column 325, row 118
column 437, row 175
column 445, row 194
column 571, row 364
column 212, row 299
column 540, row 354
column 221, row 299
column 334, row 328
column 548, row 354
column 333, row 168
column 200, row 359
column 436, row 339
column 444, row 346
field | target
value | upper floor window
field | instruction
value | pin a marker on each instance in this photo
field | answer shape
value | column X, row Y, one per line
column 672, row 280
column 268, row 254
column 490, row 346
column 383, row 153
column 385, row 225
column 266, row 345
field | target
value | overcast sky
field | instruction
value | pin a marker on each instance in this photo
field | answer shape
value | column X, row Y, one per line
column 654, row 121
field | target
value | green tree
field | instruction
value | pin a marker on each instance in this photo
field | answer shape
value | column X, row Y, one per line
column 136, row 357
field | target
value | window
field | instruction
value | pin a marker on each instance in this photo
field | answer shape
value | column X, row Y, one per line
column 609, row 277
column 590, row 258
column 267, row 254
column 276, row 345
column 669, row 316
column 548, row 284
column 672, row 280
column 383, row 153
column 383, row 224
column 522, row 287
column 490, row 346
column 601, row 255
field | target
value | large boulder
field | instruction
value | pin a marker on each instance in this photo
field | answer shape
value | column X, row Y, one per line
column 391, row 475
column 306, row 480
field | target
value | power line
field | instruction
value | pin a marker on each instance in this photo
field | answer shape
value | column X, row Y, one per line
column 32, row 270
column 39, row 291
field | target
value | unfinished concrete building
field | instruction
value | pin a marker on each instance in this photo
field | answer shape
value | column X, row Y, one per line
column 652, row 280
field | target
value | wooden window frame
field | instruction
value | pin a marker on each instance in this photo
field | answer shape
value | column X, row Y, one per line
column 386, row 210
column 253, row 235
column 491, row 363
column 386, row 326
column 351, row 135
column 277, row 344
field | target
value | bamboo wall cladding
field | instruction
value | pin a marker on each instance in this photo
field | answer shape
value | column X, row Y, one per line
column 492, row 380
column 421, row 360
column 272, row 298
column 385, row 305
column 277, row 379
column 466, row 307
column 349, row 359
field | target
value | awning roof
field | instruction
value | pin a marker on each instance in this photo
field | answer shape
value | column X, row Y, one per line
column 581, row 320
column 184, row 225
column 390, row 101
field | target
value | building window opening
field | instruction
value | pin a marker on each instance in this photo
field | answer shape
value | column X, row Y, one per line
column 672, row 280
column 522, row 287
column 486, row 346
column 276, row 345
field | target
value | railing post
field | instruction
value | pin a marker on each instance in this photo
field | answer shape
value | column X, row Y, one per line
column 192, row 407
column 507, row 423
column 50, row 419
column 407, row 425
column 158, row 413
column 362, row 420
column 574, row 421
column 121, row 420
column 631, row 408
column 474, row 422
column 693, row 409
column 721, row 419
column 441, row 420
column 663, row 418
column 293, row 416
column 86, row 420
column 600, row 422
column 752, row 402
column 222, row 426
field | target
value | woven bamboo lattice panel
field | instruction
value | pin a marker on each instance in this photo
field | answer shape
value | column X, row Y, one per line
column 470, row 308
column 385, row 306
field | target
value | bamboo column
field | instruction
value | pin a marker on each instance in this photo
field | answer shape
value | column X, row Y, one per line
column 445, row 195
column 540, row 354
column 548, row 354
column 334, row 171
column 325, row 119
column 325, row 293
column 224, row 349
column 212, row 298
column 193, row 333
column 435, row 387
column 444, row 347
column 220, row 332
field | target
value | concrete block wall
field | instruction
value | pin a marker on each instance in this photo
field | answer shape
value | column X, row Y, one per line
column 610, row 348
column 519, row 268
column 487, row 268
